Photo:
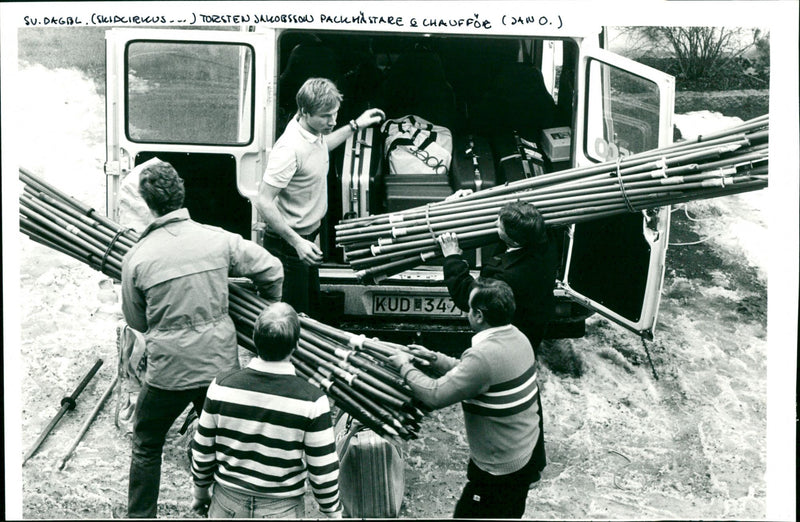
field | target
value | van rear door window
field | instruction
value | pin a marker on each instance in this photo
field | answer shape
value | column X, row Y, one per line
column 192, row 93
column 629, row 109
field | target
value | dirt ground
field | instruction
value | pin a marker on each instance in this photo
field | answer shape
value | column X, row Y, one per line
column 674, row 428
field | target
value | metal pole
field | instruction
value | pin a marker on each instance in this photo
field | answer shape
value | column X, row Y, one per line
column 88, row 422
column 67, row 403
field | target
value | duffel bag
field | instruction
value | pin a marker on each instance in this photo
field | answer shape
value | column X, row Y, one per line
column 371, row 471
column 414, row 145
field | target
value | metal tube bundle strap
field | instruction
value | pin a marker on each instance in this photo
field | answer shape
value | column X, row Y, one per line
column 677, row 173
column 622, row 189
column 110, row 247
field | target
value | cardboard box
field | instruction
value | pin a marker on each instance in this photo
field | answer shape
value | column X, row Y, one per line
column 556, row 143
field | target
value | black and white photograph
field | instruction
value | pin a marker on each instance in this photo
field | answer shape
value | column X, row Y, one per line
column 410, row 260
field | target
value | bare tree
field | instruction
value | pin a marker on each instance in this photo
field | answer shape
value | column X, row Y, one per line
column 700, row 52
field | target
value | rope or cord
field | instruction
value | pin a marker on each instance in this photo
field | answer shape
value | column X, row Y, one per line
column 649, row 359
column 428, row 221
column 696, row 220
column 110, row 246
column 695, row 242
column 622, row 188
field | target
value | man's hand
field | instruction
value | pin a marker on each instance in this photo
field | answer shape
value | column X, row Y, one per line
column 309, row 253
column 460, row 193
column 449, row 244
column 201, row 500
column 399, row 359
column 422, row 352
column 200, row 506
column 370, row 117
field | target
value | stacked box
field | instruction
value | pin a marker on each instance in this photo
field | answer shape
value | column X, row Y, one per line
column 556, row 143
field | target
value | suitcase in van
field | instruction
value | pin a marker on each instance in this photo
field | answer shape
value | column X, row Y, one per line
column 405, row 191
column 473, row 164
column 517, row 158
column 357, row 167
column 371, row 471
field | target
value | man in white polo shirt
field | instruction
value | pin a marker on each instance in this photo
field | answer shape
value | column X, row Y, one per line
column 293, row 195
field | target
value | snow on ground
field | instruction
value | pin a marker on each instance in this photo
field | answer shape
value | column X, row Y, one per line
column 737, row 223
column 621, row 442
column 64, row 131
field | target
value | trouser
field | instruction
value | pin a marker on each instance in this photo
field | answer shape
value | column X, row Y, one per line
column 535, row 333
column 300, row 281
column 156, row 410
column 496, row 496
column 228, row 503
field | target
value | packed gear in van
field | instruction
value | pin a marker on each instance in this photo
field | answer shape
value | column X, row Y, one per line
column 473, row 163
column 415, row 146
column 418, row 154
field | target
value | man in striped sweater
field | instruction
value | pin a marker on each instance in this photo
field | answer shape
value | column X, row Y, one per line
column 263, row 431
column 495, row 381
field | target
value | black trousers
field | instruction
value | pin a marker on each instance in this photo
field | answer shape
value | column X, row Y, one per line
column 496, row 496
column 300, row 281
column 156, row 410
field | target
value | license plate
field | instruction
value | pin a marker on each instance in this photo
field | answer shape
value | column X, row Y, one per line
column 388, row 304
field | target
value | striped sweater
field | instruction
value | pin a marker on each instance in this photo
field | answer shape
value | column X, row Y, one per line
column 263, row 431
column 495, row 380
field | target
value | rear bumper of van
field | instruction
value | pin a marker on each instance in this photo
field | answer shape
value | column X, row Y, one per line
column 414, row 307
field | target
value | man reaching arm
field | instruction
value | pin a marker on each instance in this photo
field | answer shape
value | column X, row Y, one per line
column 293, row 194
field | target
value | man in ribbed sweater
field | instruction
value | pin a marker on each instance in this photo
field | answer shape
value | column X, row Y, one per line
column 263, row 431
column 495, row 381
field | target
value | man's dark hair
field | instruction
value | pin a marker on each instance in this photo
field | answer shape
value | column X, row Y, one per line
column 495, row 299
column 276, row 332
column 162, row 188
column 523, row 223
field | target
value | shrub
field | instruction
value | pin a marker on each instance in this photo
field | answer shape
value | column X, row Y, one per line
column 704, row 58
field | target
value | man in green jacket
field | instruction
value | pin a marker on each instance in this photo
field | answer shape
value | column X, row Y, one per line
column 175, row 290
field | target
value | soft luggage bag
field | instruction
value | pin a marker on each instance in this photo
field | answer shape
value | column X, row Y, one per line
column 131, row 367
column 413, row 145
column 357, row 170
column 473, row 164
column 517, row 157
column 371, row 471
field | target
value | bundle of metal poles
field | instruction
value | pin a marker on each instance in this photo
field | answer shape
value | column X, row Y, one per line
column 351, row 369
column 728, row 162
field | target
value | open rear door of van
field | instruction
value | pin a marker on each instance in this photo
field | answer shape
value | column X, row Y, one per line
column 615, row 266
column 199, row 99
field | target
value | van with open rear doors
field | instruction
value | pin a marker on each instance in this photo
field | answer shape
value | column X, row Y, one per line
column 213, row 102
